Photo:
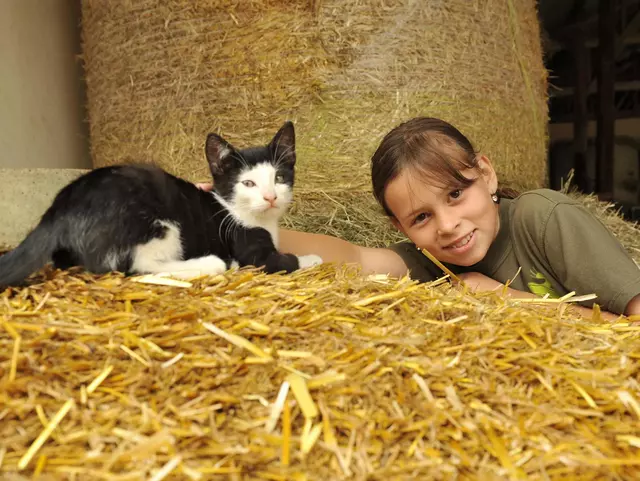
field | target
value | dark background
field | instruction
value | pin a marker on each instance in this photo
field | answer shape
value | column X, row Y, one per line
column 592, row 51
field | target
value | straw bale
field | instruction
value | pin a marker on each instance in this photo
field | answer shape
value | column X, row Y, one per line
column 161, row 74
column 350, row 215
column 316, row 375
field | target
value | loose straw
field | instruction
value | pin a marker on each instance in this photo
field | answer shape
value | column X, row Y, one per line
column 44, row 435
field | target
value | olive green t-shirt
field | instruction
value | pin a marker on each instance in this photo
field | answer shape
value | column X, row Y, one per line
column 560, row 246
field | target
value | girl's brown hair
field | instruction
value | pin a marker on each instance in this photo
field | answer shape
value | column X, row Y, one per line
column 429, row 146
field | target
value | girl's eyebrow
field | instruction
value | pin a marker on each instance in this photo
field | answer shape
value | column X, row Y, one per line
column 419, row 209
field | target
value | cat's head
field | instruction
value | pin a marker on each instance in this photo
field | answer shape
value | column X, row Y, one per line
column 256, row 182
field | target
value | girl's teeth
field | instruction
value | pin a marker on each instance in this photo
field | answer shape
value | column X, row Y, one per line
column 464, row 241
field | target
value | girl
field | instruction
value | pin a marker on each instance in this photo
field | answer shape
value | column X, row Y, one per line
column 444, row 196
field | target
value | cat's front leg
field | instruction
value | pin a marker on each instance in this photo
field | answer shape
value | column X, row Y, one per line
column 254, row 247
column 277, row 262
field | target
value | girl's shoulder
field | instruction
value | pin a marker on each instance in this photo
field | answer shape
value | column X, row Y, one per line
column 544, row 213
column 543, row 198
column 539, row 204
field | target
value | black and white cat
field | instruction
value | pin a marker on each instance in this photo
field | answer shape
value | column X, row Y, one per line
column 140, row 219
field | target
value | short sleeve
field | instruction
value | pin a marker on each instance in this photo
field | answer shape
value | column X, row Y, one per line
column 420, row 267
column 587, row 258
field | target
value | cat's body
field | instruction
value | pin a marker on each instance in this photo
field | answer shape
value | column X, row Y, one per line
column 140, row 219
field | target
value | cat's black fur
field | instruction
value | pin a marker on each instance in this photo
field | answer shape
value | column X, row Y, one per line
column 97, row 220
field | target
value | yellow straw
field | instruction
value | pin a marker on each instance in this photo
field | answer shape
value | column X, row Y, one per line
column 440, row 265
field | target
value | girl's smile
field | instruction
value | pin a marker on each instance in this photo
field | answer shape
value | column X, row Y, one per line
column 462, row 245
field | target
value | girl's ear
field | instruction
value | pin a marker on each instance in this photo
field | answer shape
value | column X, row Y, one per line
column 488, row 173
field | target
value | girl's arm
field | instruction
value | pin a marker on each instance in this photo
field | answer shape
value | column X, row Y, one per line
column 479, row 282
column 333, row 249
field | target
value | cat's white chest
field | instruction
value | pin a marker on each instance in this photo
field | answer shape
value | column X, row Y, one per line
column 273, row 230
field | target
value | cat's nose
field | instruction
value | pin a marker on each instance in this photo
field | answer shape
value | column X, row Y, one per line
column 271, row 198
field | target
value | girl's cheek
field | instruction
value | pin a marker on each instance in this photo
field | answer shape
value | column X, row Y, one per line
column 424, row 239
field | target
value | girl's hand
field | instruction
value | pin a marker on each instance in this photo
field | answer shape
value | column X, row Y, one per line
column 479, row 282
column 206, row 186
column 633, row 308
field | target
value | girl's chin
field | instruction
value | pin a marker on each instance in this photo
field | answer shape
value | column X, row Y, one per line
column 463, row 263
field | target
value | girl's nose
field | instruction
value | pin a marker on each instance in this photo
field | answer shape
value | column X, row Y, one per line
column 447, row 223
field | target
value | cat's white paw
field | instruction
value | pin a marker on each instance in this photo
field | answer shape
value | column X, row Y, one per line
column 309, row 261
column 192, row 268
column 185, row 275
column 211, row 265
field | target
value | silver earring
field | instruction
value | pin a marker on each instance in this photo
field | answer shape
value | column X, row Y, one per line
column 494, row 198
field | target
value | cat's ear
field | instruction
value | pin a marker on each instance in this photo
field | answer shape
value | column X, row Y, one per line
column 283, row 144
column 219, row 154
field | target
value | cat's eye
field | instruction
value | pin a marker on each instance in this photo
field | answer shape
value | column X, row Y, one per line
column 248, row 183
column 279, row 179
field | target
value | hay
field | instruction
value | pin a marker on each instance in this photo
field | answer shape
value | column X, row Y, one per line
column 352, row 216
column 161, row 74
column 315, row 375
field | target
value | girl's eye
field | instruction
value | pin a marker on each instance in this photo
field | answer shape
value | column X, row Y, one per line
column 420, row 218
column 248, row 183
column 280, row 179
column 456, row 194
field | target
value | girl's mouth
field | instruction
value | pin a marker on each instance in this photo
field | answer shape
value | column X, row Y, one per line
column 462, row 244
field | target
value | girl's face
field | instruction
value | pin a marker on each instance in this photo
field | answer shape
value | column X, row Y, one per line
column 457, row 226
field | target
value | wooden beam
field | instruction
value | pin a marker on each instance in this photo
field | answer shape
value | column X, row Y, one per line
column 619, row 42
column 606, row 108
column 631, row 28
column 620, row 115
column 581, row 120
column 626, row 86
column 622, row 41
column 582, row 20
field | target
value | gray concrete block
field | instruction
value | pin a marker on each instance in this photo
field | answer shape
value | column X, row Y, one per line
column 25, row 194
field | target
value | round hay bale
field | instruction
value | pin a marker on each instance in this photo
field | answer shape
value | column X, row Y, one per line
column 354, row 216
column 161, row 74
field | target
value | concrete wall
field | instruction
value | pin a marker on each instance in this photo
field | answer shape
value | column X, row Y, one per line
column 42, row 114
column 25, row 194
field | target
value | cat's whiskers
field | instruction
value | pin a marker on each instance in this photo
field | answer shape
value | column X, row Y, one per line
column 222, row 209
column 230, row 225
column 231, row 229
column 221, row 224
